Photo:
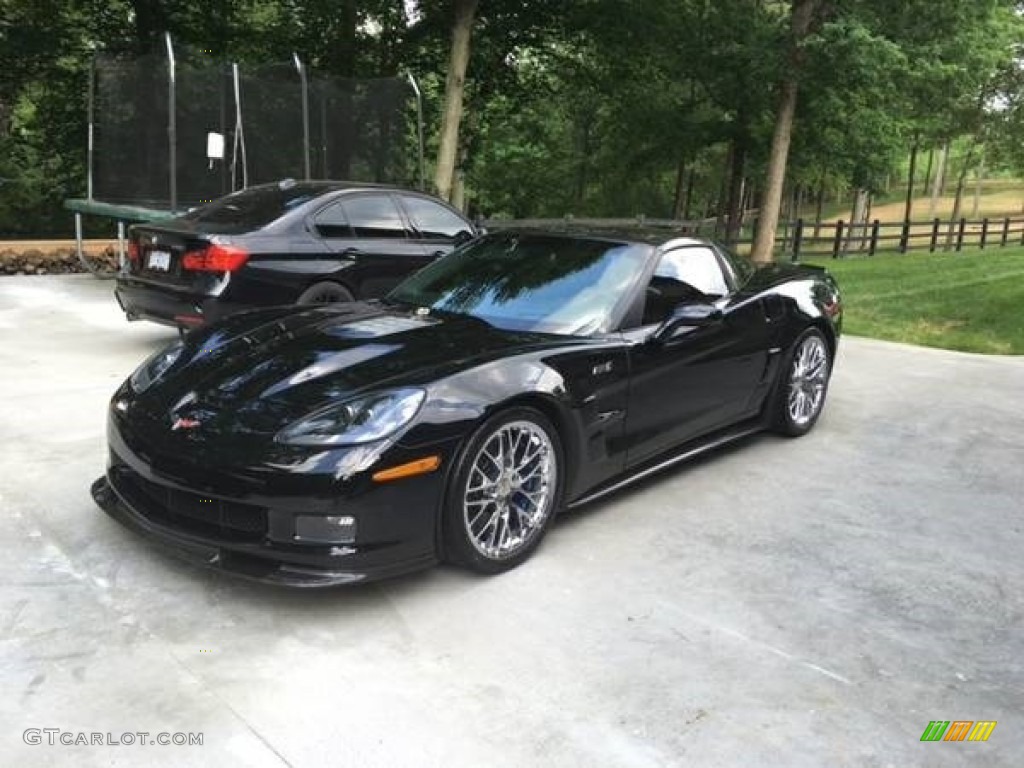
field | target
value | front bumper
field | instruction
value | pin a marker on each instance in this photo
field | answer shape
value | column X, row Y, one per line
column 245, row 523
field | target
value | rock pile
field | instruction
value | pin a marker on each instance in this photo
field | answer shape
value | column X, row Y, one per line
column 56, row 262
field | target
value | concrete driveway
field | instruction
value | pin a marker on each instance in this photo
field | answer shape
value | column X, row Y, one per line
column 796, row 603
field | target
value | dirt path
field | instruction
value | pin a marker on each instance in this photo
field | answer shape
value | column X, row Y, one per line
column 995, row 205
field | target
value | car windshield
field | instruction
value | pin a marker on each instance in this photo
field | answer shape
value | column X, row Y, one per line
column 252, row 208
column 532, row 282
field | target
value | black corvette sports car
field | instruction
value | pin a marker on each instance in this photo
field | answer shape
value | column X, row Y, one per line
column 309, row 242
column 524, row 373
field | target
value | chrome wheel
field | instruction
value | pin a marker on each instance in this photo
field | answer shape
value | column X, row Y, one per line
column 807, row 380
column 510, row 489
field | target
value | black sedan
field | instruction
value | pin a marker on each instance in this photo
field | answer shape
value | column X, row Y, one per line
column 291, row 242
column 525, row 373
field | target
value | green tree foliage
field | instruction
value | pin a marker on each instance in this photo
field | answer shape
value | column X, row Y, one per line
column 591, row 107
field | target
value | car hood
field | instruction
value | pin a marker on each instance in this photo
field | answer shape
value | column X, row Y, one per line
column 258, row 374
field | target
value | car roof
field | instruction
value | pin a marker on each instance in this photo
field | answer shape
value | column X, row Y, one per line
column 322, row 186
column 657, row 236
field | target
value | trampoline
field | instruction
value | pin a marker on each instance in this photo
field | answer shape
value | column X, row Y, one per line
column 173, row 130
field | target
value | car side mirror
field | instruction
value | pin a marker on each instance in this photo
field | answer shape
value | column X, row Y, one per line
column 688, row 315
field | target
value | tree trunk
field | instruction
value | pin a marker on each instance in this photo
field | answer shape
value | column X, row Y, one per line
column 908, row 209
column 721, row 210
column 940, row 179
column 459, row 191
column 454, row 88
column 677, row 198
column 789, row 215
column 856, row 228
column 341, row 58
column 5, row 119
column 583, row 165
column 800, row 25
column 748, row 202
column 819, row 204
column 928, row 171
column 867, row 217
column 979, row 174
column 688, row 204
column 734, row 213
column 958, row 199
column 150, row 22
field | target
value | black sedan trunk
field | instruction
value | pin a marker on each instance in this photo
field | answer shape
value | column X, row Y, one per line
column 157, row 254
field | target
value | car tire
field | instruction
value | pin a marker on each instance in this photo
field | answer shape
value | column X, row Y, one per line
column 802, row 385
column 325, row 293
column 516, row 462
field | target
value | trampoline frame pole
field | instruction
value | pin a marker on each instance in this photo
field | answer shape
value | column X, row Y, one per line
column 79, row 250
column 91, row 97
column 305, row 113
column 419, row 128
column 323, row 136
column 223, row 132
column 239, row 143
column 120, row 245
column 172, row 124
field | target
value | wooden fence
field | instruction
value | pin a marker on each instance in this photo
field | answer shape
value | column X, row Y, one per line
column 839, row 239
column 803, row 238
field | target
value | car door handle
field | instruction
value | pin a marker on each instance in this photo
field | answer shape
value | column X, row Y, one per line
column 353, row 251
column 437, row 254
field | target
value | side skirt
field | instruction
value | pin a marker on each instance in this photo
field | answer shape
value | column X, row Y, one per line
column 689, row 451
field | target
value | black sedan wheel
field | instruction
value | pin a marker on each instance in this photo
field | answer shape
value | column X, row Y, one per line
column 505, row 491
column 803, row 384
column 325, row 293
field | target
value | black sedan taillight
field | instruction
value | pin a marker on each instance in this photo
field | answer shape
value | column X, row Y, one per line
column 215, row 258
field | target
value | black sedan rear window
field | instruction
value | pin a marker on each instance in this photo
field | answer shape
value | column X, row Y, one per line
column 253, row 208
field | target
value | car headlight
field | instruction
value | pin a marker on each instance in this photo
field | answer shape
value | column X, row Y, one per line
column 155, row 367
column 361, row 420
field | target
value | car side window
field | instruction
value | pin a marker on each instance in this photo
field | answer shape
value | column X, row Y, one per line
column 374, row 216
column 332, row 222
column 685, row 274
column 434, row 221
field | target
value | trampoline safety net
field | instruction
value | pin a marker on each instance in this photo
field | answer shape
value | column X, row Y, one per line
column 359, row 130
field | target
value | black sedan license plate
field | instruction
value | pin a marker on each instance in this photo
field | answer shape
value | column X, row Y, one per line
column 159, row 260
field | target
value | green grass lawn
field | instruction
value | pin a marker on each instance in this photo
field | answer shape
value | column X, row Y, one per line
column 971, row 301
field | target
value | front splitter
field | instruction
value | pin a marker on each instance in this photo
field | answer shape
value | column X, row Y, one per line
column 205, row 555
